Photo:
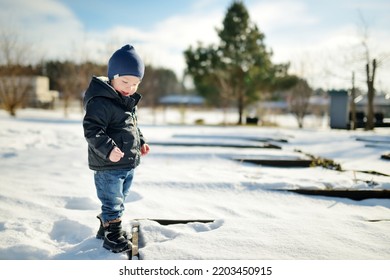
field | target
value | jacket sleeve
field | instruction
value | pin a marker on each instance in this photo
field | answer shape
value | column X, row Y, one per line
column 95, row 124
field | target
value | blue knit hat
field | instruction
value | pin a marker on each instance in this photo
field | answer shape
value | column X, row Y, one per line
column 125, row 61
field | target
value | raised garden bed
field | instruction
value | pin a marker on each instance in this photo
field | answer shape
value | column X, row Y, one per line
column 224, row 145
column 351, row 194
column 278, row 162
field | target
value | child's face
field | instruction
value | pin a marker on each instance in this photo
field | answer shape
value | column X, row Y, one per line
column 126, row 85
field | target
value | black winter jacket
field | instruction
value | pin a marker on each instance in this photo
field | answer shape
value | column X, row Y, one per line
column 111, row 120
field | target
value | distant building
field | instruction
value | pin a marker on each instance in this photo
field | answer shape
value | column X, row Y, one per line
column 340, row 111
column 178, row 100
column 381, row 103
column 34, row 90
column 40, row 94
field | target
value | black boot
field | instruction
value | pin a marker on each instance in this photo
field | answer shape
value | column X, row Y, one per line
column 102, row 229
column 113, row 238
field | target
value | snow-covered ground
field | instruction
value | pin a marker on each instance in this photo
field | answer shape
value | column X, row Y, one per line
column 48, row 202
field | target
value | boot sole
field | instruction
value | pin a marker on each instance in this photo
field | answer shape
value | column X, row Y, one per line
column 116, row 251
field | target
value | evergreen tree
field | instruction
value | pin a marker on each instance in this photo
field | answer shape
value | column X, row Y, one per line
column 239, row 68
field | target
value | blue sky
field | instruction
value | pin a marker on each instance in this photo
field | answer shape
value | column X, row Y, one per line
column 133, row 13
column 321, row 39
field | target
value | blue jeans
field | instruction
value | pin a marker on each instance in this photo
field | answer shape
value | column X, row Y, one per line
column 112, row 187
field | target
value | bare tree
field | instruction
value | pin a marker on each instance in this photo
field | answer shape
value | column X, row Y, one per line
column 370, row 72
column 371, row 66
column 352, row 104
column 298, row 100
column 14, row 91
column 158, row 82
column 73, row 82
column 14, row 88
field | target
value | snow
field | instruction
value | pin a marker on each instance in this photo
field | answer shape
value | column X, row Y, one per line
column 48, row 202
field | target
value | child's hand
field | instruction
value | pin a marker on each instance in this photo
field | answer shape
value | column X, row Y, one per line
column 145, row 149
column 116, row 154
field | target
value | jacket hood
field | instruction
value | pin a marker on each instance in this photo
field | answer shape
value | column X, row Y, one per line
column 99, row 86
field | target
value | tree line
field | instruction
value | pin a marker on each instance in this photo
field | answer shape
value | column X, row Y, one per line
column 71, row 79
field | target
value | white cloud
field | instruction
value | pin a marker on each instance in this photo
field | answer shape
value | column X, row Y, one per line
column 271, row 15
column 322, row 53
column 171, row 37
column 48, row 25
column 164, row 44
